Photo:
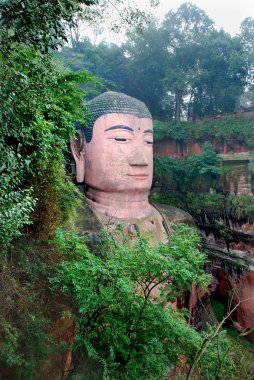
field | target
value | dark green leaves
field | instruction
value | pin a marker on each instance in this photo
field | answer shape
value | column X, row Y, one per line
column 37, row 23
column 40, row 101
column 121, row 293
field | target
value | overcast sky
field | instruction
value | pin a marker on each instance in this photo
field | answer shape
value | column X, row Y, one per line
column 227, row 14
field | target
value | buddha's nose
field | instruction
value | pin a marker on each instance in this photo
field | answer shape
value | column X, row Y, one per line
column 138, row 158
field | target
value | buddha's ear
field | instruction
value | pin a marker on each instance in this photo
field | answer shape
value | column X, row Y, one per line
column 78, row 151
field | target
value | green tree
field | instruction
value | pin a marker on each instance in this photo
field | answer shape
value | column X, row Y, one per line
column 220, row 76
column 170, row 66
column 103, row 15
column 145, row 69
column 184, row 32
column 122, row 328
column 106, row 62
column 40, row 102
column 120, row 323
column 247, row 41
column 135, row 68
column 211, row 82
column 37, row 23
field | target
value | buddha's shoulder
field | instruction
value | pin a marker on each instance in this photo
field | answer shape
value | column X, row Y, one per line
column 173, row 214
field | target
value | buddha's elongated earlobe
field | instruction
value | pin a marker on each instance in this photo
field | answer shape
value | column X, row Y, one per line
column 78, row 152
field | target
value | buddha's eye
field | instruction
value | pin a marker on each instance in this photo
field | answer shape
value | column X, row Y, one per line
column 121, row 139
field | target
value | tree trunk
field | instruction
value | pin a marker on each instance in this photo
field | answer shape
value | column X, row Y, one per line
column 189, row 115
column 178, row 100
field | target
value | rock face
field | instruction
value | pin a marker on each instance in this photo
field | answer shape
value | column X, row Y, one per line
column 174, row 148
column 236, row 179
column 237, row 287
column 233, row 255
column 170, row 147
column 58, row 365
column 244, row 315
column 233, row 271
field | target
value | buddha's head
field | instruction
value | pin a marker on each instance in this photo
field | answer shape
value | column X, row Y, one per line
column 114, row 153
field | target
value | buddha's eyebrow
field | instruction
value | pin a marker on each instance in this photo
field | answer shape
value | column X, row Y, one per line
column 119, row 127
column 148, row 131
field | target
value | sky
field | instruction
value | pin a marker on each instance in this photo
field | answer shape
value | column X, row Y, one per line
column 227, row 14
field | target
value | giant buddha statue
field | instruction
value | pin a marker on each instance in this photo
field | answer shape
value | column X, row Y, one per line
column 114, row 158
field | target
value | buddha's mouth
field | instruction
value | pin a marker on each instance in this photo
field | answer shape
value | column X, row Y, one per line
column 139, row 176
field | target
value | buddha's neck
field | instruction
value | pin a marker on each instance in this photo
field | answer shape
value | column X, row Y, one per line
column 131, row 205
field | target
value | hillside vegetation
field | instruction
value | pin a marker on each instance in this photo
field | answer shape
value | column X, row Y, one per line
column 237, row 128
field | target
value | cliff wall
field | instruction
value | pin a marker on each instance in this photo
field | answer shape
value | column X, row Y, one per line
column 175, row 148
column 228, row 232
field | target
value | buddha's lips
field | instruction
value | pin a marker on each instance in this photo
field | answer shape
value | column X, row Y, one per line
column 139, row 176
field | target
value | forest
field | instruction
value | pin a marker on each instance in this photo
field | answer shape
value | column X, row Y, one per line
column 182, row 68
column 59, row 297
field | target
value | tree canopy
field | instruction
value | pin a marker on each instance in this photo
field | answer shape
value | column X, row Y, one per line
column 183, row 66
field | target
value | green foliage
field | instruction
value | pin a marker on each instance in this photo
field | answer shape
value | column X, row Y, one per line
column 57, row 197
column 184, row 33
column 15, row 209
column 168, row 63
column 219, row 309
column 107, row 62
column 40, row 102
column 240, row 207
column 225, row 359
column 36, row 23
column 227, row 351
column 235, row 128
column 208, row 162
column 247, row 37
column 211, row 207
column 220, row 78
column 177, row 131
column 144, row 70
column 184, row 171
column 24, row 320
column 120, row 323
column 212, row 212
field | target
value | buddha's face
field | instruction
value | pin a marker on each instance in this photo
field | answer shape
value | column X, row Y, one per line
column 119, row 158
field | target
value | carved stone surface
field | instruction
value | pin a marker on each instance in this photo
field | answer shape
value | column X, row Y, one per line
column 116, row 163
column 113, row 102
